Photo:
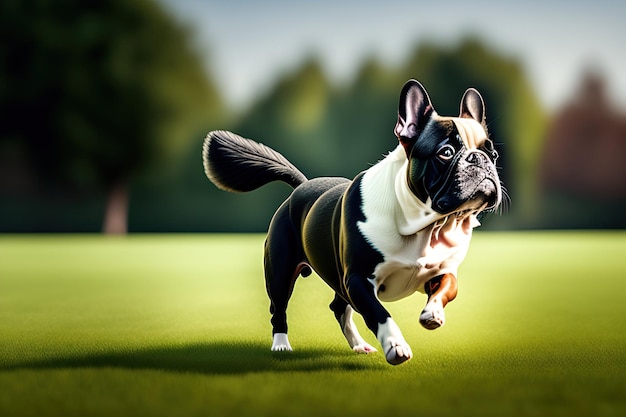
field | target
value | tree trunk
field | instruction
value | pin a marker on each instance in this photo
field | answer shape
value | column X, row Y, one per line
column 116, row 214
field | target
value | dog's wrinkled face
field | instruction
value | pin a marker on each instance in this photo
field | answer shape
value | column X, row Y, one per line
column 451, row 160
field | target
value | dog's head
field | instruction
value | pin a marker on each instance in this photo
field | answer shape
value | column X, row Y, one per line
column 451, row 160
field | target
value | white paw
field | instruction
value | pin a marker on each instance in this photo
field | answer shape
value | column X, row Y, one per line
column 364, row 348
column 396, row 349
column 281, row 343
column 398, row 352
column 432, row 316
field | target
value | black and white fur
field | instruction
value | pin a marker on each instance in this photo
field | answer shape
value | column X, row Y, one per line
column 401, row 226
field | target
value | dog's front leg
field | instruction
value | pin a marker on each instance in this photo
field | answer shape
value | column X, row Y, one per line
column 441, row 290
column 378, row 320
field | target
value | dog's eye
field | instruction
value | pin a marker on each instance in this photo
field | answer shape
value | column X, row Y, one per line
column 446, row 152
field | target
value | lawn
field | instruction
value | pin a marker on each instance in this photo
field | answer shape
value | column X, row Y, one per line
column 178, row 325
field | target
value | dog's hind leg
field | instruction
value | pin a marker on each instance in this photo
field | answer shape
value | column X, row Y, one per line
column 343, row 313
column 283, row 262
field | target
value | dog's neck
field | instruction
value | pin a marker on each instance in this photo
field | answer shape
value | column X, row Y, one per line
column 389, row 200
column 412, row 215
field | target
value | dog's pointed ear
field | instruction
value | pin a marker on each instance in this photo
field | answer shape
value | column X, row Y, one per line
column 414, row 111
column 473, row 106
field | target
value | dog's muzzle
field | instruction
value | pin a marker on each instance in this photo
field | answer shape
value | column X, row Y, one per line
column 475, row 179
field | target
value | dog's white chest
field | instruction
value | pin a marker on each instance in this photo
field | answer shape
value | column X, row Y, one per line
column 422, row 257
column 417, row 244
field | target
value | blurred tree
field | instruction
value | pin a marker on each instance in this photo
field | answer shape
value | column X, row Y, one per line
column 325, row 129
column 583, row 179
column 363, row 116
column 93, row 93
column 291, row 119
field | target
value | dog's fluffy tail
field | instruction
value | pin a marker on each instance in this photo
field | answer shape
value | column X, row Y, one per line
column 238, row 164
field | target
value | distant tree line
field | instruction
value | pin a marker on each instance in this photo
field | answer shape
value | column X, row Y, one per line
column 341, row 130
column 106, row 108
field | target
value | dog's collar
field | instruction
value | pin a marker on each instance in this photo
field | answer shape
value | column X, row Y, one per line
column 413, row 214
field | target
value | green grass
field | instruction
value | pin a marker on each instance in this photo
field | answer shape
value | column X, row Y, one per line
column 179, row 326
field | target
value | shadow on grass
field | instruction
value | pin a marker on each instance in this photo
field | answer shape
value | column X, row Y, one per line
column 220, row 358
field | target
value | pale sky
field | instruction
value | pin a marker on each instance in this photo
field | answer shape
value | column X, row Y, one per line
column 248, row 44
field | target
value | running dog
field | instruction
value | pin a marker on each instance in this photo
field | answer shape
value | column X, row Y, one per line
column 401, row 226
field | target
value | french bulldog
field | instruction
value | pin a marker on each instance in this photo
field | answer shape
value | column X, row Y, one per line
column 401, row 226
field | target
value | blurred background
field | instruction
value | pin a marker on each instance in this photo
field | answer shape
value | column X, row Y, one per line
column 104, row 105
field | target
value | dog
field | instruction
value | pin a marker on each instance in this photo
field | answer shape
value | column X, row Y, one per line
column 401, row 226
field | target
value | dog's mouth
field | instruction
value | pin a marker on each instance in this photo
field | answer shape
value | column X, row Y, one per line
column 457, row 226
column 470, row 208
column 464, row 214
